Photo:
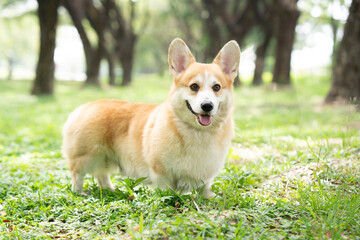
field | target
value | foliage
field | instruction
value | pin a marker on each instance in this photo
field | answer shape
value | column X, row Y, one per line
column 13, row 43
column 292, row 171
column 321, row 16
column 11, row 3
column 154, row 43
column 165, row 20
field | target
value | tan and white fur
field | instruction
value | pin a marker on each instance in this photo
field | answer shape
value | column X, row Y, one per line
column 181, row 143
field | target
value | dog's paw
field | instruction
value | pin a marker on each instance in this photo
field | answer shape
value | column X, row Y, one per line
column 82, row 193
column 85, row 194
column 209, row 194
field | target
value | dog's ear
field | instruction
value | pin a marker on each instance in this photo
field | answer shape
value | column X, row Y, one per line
column 180, row 57
column 229, row 58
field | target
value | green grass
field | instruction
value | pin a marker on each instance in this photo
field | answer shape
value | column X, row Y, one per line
column 292, row 171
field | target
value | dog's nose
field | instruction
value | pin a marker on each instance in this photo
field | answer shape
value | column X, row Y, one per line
column 207, row 106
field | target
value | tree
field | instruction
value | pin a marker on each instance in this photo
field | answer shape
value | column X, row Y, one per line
column 274, row 20
column 48, row 16
column 18, row 22
column 116, row 37
column 191, row 26
column 239, row 18
column 265, row 13
column 285, row 16
column 346, row 72
column 80, row 10
column 124, row 36
column 325, row 13
column 260, row 52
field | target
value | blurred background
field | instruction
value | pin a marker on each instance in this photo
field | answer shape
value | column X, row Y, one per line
column 110, row 41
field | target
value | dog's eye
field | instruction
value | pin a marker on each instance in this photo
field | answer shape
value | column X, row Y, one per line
column 216, row 87
column 194, row 87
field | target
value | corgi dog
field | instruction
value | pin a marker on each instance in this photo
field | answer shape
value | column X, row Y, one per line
column 181, row 143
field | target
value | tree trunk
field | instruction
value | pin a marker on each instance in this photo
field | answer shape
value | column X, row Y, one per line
column 10, row 67
column 48, row 15
column 124, row 36
column 346, row 73
column 260, row 60
column 237, row 82
column 92, row 70
column 127, row 72
column 213, row 29
column 78, row 11
column 334, row 28
column 126, row 57
column 238, row 21
column 126, row 60
column 285, row 24
column 93, row 67
column 111, row 67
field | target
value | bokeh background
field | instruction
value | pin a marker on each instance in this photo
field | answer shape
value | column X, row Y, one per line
column 110, row 41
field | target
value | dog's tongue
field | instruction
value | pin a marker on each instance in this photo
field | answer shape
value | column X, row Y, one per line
column 205, row 119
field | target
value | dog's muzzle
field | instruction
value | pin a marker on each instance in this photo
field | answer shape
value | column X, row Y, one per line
column 203, row 119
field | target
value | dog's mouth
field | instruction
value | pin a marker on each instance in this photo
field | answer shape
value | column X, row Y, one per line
column 203, row 119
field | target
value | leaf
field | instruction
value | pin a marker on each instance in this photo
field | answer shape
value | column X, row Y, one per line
column 141, row 223
column 139, row 180
column 127, row 181
column 127, row 184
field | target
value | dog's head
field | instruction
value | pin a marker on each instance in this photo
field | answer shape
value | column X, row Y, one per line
column 202, row 93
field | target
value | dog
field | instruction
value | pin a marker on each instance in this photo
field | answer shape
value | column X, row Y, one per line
column 181, row 143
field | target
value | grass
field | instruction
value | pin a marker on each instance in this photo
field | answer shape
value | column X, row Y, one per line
column 292, row 171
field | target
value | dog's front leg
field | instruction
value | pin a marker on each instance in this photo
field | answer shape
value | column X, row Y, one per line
column 162, row 181
column 208, row 193
column 206, row 190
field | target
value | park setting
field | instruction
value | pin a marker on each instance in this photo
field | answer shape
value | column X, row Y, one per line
column 293, row 167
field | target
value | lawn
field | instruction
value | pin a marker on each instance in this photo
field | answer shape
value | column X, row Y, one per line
column 292, row 171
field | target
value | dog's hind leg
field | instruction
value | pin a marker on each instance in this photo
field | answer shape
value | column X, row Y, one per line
column 104, row 181
column 77, row 182
column 78, row 167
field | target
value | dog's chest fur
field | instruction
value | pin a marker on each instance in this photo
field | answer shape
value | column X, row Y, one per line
column 186, row 156
column 201, row 156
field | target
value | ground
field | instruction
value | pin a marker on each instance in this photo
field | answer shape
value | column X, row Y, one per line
column 292, row 171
